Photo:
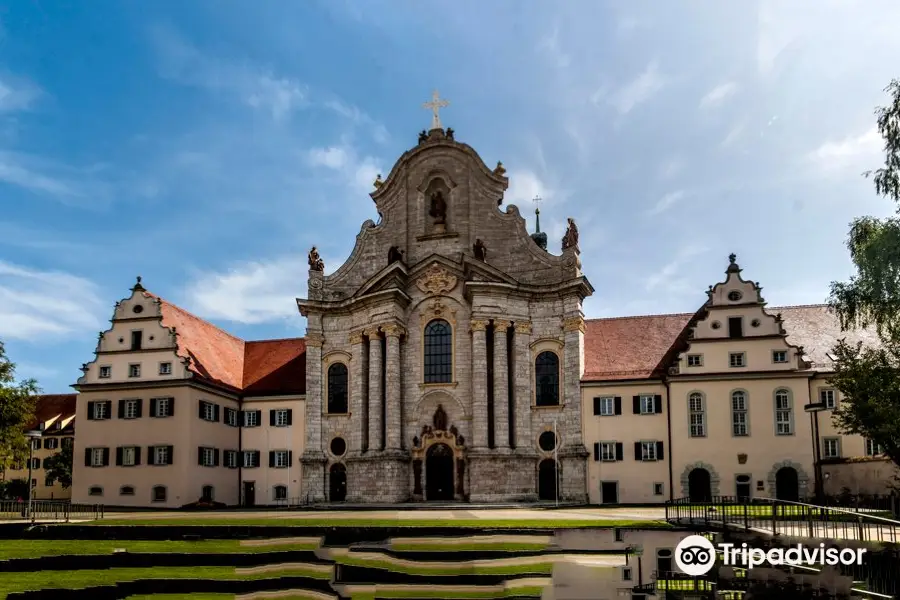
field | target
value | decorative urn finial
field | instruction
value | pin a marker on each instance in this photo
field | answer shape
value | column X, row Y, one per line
column 137, row 286
column 732, row 264
column 378, row 182
column 499, row 169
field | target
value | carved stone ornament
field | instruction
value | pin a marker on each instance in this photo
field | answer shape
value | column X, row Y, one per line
column 478, row 325
column 523, row 326
column 742, row 459
column 392, row 330
column 436, row 280
column 378, row 182
column 570, row 239
column 499, row 169
column 438, row 309
column 501, row 324
column 315, row 261
column 356, row 337
column 573, row 324
column 315, row 340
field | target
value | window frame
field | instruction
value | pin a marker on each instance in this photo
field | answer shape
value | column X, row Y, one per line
column 165, row 368
column 735, row 412
column 95, row 452
column 650, row 456
column 281, row 454
column 696, row 430
column 276, row 489
column 125, row 450
column 694, row 360
column 442, row 371
column 776, row 353
column 101, row 411
column 158, row 451
column 281, row 417
column 132, row 404
column 872, row 449
column 647, row 408
column 837, row 442
column 157, row 403
column 611, row 400
column 789, row 410
column 538, row 396
column 153, row 493
column 247, row 417
column 108, row 372
column 824, row 394
column 731, row 361
column 134, row 370
column 331, row 401
column 612, row 455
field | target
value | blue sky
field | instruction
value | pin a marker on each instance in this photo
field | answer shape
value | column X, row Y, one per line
column 206, row 145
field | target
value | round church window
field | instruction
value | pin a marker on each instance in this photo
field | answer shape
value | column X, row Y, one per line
column 755, row 322
column 338, row 446
column 734, row 295
column 716, row 324
column 138, row 309
column 547, row 441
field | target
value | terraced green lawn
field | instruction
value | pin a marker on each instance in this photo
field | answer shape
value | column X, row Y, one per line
column 38, row 548
column 449, row 569
column 18, row 582
column 445, row 594
column 765, row 510
column 384, row 523
column 473, row 547
column 179, row 596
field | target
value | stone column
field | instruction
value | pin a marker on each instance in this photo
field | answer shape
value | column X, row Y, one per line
column 501, row 384
column 523, row 378
column 573, row 331
column 358, row 376
column 313, row 460
column 479, row 385
column 393, row 395
column 375, row 358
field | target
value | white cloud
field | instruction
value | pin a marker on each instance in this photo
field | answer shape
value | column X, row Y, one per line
column 551, row 47
column 665, row 203
column 667, row 278
column 734, row 134
column 635, row 92
column 672, row 167
column 718, row 94
column 38, row 304
column 278, row 95
column 524, row 185
column 853, row 150
column 332, row 157
column 17, row 95
column 12, row 172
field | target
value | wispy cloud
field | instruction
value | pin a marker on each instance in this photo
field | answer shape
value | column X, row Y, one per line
column 36, row 305
column 734, row 134
column 17, row 94
column 332, row 157
column 668, row 277
column 524, row 185
column 358, row 172
column 666, row 202
column 550, row 46
column 718, row 94
column 851, row 151
column 637, row 91
column 672, row 167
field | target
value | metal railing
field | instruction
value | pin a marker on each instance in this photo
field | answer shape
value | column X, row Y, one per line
column 783, row 517
column 45, row 510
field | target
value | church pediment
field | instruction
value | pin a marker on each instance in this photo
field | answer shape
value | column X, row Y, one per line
column 392, row 277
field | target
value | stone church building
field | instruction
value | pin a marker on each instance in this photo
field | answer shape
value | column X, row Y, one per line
column 448, row 359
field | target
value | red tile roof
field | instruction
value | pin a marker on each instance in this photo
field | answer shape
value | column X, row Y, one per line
column 622, row 348
column 51, row 406
column 275, row 366
column 261, row 367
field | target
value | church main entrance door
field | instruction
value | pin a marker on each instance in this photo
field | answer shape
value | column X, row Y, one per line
column 439, row 473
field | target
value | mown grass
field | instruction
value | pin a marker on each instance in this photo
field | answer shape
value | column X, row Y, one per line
column 179, row 596
column 470, row 547
column 387, row 523
column 444, row 594
column 37, row 580
column 537, row 568
column 765, row 511
column 39, row 548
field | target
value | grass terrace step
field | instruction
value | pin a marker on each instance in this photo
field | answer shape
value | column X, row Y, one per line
column 409, row 522
column 37, row 548
column 481, row 543
column 518, row 588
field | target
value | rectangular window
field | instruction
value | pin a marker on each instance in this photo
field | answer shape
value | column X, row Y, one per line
column 66, row 442
column 779, row 356
column 36, row 444
column 128, row 456
column 97, row 456
column 281, row 417
column 737, row 359
column 739, row 414
column 626, row 573
column 159, row 494
column 130, row 409
column 48, row 481
column 251, row 418
column 608, row 451
column 105, row 372
column 51, row 443
column 279, row 459
column 828, row 398
column 831, row 447
column 657, row 489
column 607, row 406
column 697, row 416
column 208, row 411
column 165, row 368
column 231, row 417
column 137, row 337
column 162, row 407
column 161, row 455
column 695, row 360
column 873, row 449
column 783, row 417
column 101, row 410
column 207, row 457
column 134, row 370
column 735, row 327
column 648, row 451
column 251, row 459
column 648, row 404
column 231, row 459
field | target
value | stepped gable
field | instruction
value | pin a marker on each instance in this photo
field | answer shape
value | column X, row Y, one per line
column 622, row 348
column 275, row 366
column 51, row 408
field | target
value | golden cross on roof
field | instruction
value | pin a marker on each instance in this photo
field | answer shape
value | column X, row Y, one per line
column 436, row 104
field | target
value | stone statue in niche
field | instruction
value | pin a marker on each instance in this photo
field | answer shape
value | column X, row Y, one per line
column 417, row 477
column 480, row 250
column 395, row 254
column 440, row 419
column 438, row 209
column 460, row 476
column 315, row 261
column 570, row 240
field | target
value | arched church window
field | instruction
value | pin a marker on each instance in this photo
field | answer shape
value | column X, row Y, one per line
column 546, row 375
column 438, row 352
column 337, row 388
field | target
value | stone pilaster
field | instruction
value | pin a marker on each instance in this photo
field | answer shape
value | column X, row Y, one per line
column 479, row 384
column 313, row 459
column 358, row 376
column 393, row 387
column 573, row 331
column 521, row 343
column 501, row 384
column 375, row 366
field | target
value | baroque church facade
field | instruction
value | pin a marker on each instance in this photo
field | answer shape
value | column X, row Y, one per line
column 448, row 359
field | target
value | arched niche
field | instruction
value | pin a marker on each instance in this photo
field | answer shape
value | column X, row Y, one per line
column 438, row 439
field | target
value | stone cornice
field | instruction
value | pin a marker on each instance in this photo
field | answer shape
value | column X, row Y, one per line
column 580, row 286
column 502, row 324
column 571, row 324
column 393, row 330
column 314, row 340
column 349, row 305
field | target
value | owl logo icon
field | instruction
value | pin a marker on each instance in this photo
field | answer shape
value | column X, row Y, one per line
column 695, row 555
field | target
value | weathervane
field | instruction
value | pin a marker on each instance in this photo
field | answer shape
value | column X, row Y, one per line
column 436, row 105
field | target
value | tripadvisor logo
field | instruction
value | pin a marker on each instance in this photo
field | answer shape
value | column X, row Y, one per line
column 696, row 555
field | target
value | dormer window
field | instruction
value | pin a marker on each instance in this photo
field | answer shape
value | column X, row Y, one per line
column 734, row 295
column 779, row 356
column 695, row 360
column 105, row 372
column 137, row 338
column 735, row 327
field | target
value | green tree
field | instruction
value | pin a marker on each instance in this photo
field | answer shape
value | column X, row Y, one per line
column 869, row 378
column 17, row 402
column 59, row 466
